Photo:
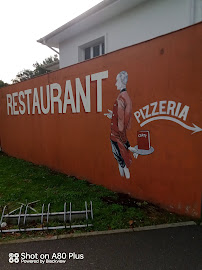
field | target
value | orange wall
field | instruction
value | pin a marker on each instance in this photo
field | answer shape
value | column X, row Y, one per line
column 165, row 68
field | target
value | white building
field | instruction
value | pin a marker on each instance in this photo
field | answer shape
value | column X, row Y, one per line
column 115, row 24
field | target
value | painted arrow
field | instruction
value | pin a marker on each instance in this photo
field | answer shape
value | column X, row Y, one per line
column 195, row 128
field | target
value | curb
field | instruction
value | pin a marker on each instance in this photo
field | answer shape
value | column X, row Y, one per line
column 73, row 235
column 139, row 229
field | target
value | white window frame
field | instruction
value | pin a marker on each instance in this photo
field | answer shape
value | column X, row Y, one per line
column 98, row 41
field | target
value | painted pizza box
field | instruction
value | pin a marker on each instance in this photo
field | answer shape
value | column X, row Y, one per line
column 143, row 139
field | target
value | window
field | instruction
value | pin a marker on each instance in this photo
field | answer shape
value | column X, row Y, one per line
column 96, row 50
column 87, row 53
column 92, row 49
column 103, row 48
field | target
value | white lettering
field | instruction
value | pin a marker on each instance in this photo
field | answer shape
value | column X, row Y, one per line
column 29, row 256
column 142, row 114
column 184, row 113
column 47, row 109
column 154, row 109
column 80, row 93
column 162, row 106
column 147, row 111
column 56, row 99
column 21, row 109
column 27, row 93
column 142, row 135
column 9, row 103
column 99, row 77
column 171, row 107
column 70, row 100
column 137, row 116
column 15, row 112
column 37, row 99
column 36, row 102
column 178, row 108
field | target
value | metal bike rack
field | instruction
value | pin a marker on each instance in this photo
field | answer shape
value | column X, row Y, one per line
column 66, row 217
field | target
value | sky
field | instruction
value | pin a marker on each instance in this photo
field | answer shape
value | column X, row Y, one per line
column 23, row 22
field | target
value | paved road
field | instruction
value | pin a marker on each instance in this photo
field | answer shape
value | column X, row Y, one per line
column 164, row 249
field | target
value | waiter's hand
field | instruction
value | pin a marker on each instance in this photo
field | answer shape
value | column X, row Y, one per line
column 135, row 155
column 109, row 114
column 134, row 151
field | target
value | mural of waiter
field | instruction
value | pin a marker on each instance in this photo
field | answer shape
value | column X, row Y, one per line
column 120, row 122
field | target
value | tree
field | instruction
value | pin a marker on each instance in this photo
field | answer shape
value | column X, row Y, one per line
column 2, row 83
column 39, row 69
column 23, row 75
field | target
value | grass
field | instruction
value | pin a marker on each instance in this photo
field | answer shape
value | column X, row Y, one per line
column 22, row 182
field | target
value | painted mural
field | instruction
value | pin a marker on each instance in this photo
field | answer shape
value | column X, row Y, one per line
column 132, row 126
column 165, row 110
column 120, row 122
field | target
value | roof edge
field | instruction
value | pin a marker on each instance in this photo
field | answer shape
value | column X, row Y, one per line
column 79, row 18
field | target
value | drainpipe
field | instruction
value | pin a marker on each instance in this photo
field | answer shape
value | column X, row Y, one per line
column 53, row 49
column 43, row 41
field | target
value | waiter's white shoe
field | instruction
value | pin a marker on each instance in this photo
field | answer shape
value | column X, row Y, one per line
column 121, row 171
column 126, row 172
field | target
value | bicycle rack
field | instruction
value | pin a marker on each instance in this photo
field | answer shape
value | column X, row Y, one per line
column 22, row 218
